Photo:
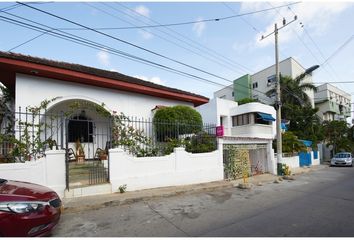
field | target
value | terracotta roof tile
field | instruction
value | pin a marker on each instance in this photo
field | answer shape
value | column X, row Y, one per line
column 92, row 71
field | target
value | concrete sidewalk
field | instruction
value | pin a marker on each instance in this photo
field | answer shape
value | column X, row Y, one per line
column 116, row 199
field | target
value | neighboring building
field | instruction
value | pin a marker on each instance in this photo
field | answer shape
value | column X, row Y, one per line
column 249, row 126
column 256, row 85
column 333, row 103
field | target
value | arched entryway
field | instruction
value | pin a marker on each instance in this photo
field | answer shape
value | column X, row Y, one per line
column 86, row 137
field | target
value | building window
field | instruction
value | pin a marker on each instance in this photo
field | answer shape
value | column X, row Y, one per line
column 270, row 80
column 240, row 120
column 233, row 94
column 80, row 128
column 255, row 85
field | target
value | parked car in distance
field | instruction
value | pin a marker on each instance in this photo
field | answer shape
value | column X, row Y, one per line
column 27, row 209
column 342, row 159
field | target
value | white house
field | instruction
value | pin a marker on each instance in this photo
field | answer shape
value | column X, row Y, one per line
column 249, row 126
column 31, row 80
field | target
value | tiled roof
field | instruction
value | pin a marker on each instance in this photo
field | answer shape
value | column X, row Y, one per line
column 93, row 71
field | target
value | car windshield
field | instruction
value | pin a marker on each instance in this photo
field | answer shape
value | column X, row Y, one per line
column 2, row 181
column 343, row 155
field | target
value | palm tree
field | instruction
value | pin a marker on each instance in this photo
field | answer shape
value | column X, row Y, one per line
column 293, row 90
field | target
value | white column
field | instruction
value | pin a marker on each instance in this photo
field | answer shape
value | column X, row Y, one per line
column 55, row 171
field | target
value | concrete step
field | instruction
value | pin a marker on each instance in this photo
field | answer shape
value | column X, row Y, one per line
column 84, row 191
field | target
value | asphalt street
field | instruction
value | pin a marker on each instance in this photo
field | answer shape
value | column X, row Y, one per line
column 316, row 204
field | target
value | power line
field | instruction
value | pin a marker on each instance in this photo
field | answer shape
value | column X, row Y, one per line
column 341, row 47
column 118, row 39
column 95, row 45
column 247, row 22
column 334, row 82
column 170, row 41
column 190, row 42
column 125, row 42
column 319, row 50
column 98, row 46
column 300, row 39
column 200, row 21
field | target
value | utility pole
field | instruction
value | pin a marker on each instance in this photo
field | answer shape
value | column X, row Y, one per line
column 278, row 93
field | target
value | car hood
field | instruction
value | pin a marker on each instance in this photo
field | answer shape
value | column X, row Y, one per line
column 17, row 191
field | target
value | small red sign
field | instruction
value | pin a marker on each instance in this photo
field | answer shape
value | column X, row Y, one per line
column 220, row 131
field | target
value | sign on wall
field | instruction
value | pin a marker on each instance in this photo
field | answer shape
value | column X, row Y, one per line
column 220, row 131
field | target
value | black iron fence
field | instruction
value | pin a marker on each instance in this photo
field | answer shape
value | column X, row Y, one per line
column 26, row 135
column 147, row 137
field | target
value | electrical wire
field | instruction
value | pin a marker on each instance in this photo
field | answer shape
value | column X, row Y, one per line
column 115, row 38
column 319, row 50
column 125, row 42
column 340, row 48
column 197, row 21
column 250, row 25
column 92, row 44
column 101, row 47
column 159, row 36
column 193, row 43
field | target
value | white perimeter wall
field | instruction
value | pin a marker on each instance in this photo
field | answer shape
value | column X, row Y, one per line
column 31, row 90
column 292, row 162
column 178, row 168
column 48, row 171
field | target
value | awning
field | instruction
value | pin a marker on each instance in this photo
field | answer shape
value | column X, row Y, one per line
column 266, row 116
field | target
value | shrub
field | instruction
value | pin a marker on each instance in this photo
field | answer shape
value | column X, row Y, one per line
column 201, row 143
column 170, row 122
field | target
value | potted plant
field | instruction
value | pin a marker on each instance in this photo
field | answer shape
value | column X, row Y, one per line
column 80, row 153
column 102, row 154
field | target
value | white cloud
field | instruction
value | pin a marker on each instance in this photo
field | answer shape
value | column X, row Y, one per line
column 316, row 16
column 146, row 34
column 142, row 10
column 155, row 80
column 103, row 58
column 199, row 27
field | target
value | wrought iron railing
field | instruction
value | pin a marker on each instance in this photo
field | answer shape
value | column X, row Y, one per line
column 26, row 135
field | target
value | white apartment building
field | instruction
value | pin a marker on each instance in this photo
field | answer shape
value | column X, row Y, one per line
column 263, row 81
column 333, row 103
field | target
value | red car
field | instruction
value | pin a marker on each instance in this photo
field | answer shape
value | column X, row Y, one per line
column 27, row 209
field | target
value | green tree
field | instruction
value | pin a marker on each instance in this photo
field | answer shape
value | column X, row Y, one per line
column 293, row 92
column 337, row 134
column 169, row 122
column 305, row 123
column 291, row 143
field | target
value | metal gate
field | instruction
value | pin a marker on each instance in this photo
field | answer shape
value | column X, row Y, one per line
column 87, row 143
column 305, row 159
column 244, row 159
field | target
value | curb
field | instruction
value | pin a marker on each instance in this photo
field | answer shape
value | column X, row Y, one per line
column 118, row 199
column 124, row 200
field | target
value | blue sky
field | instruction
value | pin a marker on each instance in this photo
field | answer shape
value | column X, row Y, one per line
column 229, row 48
